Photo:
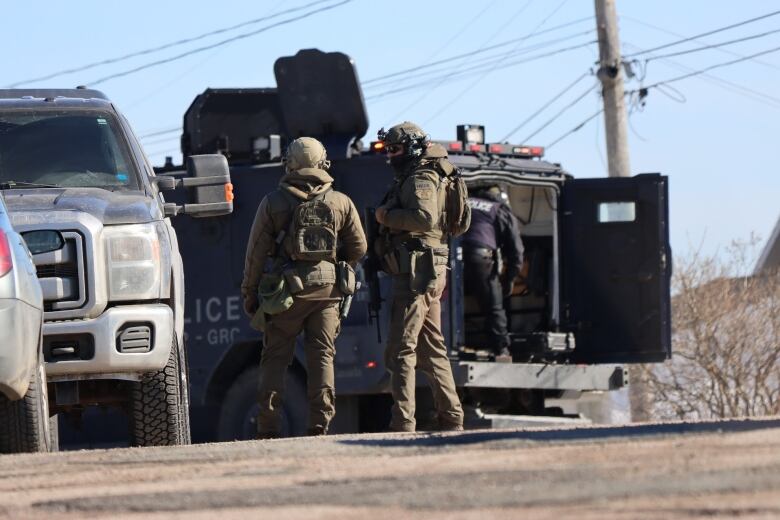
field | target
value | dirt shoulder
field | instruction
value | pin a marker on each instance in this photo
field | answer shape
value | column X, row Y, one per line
column 729, row 468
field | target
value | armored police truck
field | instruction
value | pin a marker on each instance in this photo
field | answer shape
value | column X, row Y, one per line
column 595, row 294
column 72, row 171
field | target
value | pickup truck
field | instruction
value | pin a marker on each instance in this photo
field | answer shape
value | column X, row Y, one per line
column 113, row 292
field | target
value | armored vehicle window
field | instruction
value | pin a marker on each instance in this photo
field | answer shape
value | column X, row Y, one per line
column 70, row 148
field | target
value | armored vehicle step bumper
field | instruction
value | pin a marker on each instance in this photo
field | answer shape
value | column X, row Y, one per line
column 488, row 374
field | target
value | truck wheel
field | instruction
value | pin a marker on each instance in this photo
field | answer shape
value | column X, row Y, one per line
column 24, row 424
column 159, row 414
column 238, row 415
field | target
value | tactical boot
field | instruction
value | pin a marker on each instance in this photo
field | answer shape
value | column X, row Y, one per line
column 503, row 355
column 317, row 431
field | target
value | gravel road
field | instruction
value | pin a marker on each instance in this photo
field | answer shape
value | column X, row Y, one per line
column 674, row 470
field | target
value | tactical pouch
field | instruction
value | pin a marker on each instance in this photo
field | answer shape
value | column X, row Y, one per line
column 422, row 272
column 294, row 281
column 316, row 274
column 390, row 263
column 346, row 278
column 273, row 294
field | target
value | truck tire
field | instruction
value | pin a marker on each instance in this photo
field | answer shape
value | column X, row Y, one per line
column 24, row 424
column 158, row 404
column 238, row 414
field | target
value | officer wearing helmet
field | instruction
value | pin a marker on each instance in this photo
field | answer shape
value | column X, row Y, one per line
column 304, row 238
column 492, row 238
column 415, row 252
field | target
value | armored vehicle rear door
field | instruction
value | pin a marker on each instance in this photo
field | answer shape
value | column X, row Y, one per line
column 615, row 268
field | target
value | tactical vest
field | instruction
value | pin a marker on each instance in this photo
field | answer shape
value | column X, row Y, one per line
column 313, row 230
column 482, row 232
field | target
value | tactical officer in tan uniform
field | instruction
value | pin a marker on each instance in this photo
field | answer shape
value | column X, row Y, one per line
column 415, row 252
column 279, row 237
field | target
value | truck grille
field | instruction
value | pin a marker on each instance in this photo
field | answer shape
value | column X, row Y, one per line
column 62, row 275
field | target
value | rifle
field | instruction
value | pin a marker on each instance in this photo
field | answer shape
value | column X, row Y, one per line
column 371, row 268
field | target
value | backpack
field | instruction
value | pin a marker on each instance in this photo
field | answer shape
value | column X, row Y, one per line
column 456, row 217
column 313, row 230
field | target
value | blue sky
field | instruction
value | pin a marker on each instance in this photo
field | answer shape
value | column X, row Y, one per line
column 714, row 136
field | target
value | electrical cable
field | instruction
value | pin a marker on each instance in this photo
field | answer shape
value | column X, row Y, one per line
column 712, row 67
column 730, row 86
column 160, row 132
column 475, row 52
column 575, row 129
column 561, row 112
column 714, row 45
column 439, row 83
column 708, row 33
column 165, row 46
column 478, row 69
column 678, row 35
column 543, row 107
column 486, row 61
column 485, row 74
column 217, row 44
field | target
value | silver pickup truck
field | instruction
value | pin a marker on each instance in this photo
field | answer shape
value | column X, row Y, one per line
column 24, row 408
column 114, row 291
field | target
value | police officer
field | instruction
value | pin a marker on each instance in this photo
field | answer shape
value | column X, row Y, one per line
column 415, row 253
column 315, row 302
column 493, row 229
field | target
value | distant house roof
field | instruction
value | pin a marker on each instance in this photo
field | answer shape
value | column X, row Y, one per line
column 770, row 256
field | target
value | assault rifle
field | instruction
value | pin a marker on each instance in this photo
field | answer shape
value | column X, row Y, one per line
column 371, row 268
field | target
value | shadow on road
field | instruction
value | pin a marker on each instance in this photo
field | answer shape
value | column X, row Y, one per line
column 572, row 434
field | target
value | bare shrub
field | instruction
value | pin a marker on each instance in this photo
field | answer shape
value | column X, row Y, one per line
column 725, row 340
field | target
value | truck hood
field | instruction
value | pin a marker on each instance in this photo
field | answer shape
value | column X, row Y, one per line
column 110, row 208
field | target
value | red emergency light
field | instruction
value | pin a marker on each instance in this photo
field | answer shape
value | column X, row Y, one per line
column 511, row 149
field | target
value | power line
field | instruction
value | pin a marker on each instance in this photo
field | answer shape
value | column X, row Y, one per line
column 165, row 46
column 575, row 129
column 486, row 61
column 561, row 112
column 715, row 45
column 543, row 107
column 160, row 132
column 475, row 52
column 708, row 33
column 734, row 88
column 489, row 71
column 218, row 44
column 477, row 69
column 678, row 35
column 439, row 83
column 712, row 67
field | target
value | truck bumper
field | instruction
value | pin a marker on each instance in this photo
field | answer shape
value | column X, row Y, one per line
column 19, row 341
column 89, row 349
column 484, row 374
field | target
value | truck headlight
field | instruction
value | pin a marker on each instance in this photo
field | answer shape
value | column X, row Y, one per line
column 132, row 262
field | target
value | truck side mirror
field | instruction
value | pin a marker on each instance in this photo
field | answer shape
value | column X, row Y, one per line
column 209, row 187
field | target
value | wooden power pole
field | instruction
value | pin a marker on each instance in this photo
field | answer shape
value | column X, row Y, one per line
column 611, row 75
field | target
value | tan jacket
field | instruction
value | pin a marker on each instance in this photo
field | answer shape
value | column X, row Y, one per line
column 274, row 214
column 415, row 202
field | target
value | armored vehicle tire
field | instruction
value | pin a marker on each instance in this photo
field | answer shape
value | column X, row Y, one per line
column 238, row 415
column 158, row 403
column 24, row 424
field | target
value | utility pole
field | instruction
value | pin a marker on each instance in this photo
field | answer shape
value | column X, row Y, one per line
column 611, row 75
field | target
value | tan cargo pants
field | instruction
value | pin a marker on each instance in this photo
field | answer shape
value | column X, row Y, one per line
column 415, row 341
column 319, row 321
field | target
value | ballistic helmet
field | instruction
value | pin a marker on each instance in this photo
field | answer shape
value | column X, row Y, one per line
column 407, row 134
column 306, row 152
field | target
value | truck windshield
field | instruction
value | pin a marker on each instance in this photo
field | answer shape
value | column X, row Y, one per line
column 65, row 148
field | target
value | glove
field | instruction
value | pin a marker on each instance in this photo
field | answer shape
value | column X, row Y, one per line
column 251, row 304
